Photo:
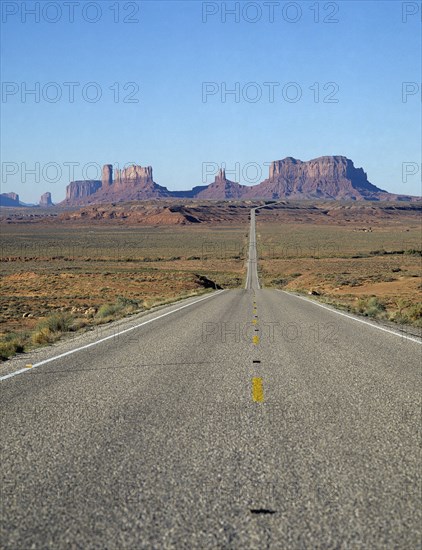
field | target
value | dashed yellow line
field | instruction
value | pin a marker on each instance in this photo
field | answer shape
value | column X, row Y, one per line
column 257, row 390
column 257, row 387
column 28, row 366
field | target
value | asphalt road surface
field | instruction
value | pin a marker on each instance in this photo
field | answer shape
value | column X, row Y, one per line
column 245, row 419
column 252, row 280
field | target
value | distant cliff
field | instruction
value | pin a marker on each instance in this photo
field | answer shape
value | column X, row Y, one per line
column 222, row 188
column 132, row 183
column 77, row 190
column 332, row 177
column 45, row 199
column 9, row 199
column 328, row 177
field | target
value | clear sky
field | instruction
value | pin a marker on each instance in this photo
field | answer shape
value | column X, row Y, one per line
column 183, row 127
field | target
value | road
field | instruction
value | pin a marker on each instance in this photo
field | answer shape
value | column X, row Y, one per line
column 252, row 280
column 246, row 419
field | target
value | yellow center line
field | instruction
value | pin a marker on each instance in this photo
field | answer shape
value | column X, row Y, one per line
column 257, row 390
column 255, row 339
column 28, row 366
column 254, row 321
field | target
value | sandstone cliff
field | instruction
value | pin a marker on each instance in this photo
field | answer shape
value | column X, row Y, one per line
column 9, row 199
column 45, row 199
column 328, row 177
column 333, row 177
column 107, row 175
column 222, row 188
column 132, row 183
column 77, row 190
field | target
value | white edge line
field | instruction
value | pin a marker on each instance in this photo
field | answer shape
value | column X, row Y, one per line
column 70, row 352
column 352, row 317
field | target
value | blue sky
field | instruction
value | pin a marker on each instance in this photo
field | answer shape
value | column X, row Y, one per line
column 170, row 51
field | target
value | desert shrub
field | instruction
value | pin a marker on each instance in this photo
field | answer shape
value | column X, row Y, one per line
column 413, row 252
column 77, row 324
column 43, row 335
column 121, row 306
column 361, row 305
column 107, row 310
column 408, row 314
column 349, row 282
column 127, row 302
column 401, row 304
column 398, row 317
column 6, row 350
column 57, row 322
column 279, row 281
column 50, row 328
column 371, row 307
column 11, row 344
column 374, row 307
column 388, row 252
column 414, row 313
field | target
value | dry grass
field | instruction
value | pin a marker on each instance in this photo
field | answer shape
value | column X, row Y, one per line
column 92, row 277
column 377, row 273
column 60, row 276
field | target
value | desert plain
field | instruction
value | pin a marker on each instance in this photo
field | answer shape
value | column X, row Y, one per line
column 68, row 270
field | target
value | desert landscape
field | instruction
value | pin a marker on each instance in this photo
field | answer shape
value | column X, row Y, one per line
column 69, row 270
column 365, row 258
column 64, row 272
column 211, row 270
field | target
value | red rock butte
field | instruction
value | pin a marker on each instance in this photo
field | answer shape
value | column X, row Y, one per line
column 328, row 177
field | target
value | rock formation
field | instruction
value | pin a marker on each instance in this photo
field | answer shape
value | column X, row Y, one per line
column 77, row 190
column 132, row 176
column 222, row 188
column 131, row 183
column 329, row 177
column 107, row 175
column 9, row 199
column 45, row 199
column 332, row 177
